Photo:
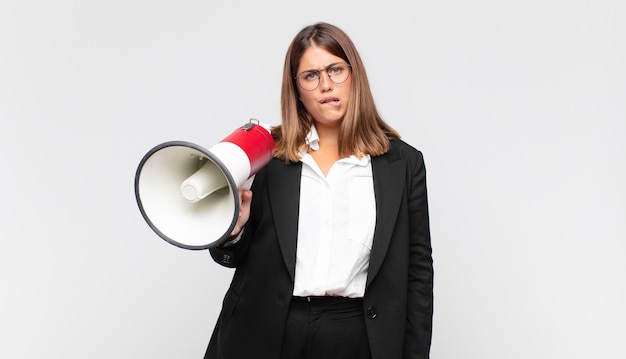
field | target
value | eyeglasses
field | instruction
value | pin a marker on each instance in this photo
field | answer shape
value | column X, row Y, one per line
column 310, row 79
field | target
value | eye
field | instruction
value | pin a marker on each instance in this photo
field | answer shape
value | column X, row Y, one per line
column 337, row 69
column 310, row 76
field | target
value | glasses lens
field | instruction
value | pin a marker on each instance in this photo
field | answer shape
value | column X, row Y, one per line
column 309, row 80
column 339, row 73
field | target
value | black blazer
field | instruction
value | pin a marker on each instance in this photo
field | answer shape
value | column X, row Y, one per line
column 398, row 301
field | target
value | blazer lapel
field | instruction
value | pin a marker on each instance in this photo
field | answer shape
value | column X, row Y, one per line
column 389, row 176
column 284, row 193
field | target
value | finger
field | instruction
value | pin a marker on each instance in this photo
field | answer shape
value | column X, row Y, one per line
column 246, row 196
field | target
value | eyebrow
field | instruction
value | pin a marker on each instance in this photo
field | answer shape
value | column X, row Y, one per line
column 323, row 68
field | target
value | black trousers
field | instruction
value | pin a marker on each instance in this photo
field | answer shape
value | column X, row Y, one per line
column 325, row 328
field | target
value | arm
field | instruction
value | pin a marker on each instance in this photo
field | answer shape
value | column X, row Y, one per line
column 420, row 286
column 226, row 253
column 233, row 252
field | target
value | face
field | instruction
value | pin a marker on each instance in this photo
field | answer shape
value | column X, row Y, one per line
column 327, row 103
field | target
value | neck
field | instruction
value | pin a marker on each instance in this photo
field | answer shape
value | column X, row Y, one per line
column 329, row 136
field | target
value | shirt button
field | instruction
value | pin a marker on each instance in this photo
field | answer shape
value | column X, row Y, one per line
column 372, row 313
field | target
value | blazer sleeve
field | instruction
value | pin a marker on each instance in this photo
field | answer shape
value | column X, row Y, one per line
column 420, row 286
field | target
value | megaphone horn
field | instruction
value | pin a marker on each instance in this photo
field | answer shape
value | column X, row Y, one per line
column 189, row 195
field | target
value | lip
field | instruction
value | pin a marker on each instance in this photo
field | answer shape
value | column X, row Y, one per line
column 330, row 100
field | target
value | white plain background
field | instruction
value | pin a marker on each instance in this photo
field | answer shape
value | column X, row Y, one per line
column 518, row 106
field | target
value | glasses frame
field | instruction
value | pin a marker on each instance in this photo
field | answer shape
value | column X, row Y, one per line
column 319, row 75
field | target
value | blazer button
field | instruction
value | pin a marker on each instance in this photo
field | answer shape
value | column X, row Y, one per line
column 371, row 312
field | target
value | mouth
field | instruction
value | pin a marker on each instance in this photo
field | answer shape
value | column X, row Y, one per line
column 330, row 100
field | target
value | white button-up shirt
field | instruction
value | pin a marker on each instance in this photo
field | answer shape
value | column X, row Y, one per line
column 336, row 226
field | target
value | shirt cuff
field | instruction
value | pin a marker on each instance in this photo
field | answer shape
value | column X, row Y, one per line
column 236, row 239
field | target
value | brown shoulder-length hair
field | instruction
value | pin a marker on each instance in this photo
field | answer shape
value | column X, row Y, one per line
column 362, row 131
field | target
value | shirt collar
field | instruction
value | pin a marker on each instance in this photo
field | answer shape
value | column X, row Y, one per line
column 313, row 139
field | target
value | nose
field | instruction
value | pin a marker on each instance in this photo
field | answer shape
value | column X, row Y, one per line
column 325, row 81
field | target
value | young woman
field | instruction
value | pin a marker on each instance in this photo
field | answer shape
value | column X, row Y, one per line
column 332, row 248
